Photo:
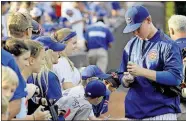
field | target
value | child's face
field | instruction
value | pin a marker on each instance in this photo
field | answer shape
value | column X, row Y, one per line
column 55, row 57
column 109, row 86
column 97, row 101
column 8, row 90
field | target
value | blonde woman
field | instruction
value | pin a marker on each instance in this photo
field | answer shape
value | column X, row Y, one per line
column 47, row 81
column 30, row 61
column 68, row 75
column 9, row 82
column 9, row 85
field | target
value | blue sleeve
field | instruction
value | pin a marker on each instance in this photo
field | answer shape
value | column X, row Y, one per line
column 105, row 104
column 110, row 37
column 173, row 64
column 54, row 88
column 166, row 78
column 86, row 35
column 20, row 91
column 123, row 65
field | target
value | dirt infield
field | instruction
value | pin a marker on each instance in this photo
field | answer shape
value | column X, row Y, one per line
column 116, row 105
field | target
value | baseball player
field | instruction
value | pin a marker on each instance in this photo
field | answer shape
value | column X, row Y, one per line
column 93, row 71
column 177, row 30
column 77, row 101
column 98, row 40
column 150, row 60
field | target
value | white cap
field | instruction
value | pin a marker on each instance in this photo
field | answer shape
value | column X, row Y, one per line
column 35, row 12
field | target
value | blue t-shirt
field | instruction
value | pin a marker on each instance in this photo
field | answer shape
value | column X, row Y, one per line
column 98, row 36
column 53, row 90
column 103, row 106
column 8, row 60
column 159, row 53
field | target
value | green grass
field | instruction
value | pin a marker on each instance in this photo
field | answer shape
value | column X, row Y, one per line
column 169, row 11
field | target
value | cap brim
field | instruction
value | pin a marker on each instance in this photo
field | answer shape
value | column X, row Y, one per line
column 130, row 28
column 104, row 76
column 58, row 47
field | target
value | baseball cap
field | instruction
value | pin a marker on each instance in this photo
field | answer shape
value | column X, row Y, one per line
column 95, row 88
column 134, row 17
column 93, row 71
column 50, row 44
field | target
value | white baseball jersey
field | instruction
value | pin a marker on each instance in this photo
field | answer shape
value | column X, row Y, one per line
column 75, row 104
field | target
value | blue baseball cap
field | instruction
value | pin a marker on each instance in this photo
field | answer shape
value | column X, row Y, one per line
column 93, row 71
column 95, row 88
column 134, row 17
column 50, row 44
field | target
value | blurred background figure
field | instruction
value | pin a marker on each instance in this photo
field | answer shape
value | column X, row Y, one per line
column 98, row 41
column 177, row 30
column 4, row 11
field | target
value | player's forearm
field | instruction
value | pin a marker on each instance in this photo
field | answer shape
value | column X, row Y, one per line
column 149, row 74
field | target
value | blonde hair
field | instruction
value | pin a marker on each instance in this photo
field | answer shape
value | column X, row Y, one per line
column 48, row 58
column 44, row 71
column 9, row 76
column 178, row 23
column 4, row 105
column 18, row 23
column 35, row 47
column 61, row 34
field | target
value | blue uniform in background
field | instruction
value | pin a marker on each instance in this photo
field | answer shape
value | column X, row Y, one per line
column 98, row 36
column 103, row 106
column 181, row 43
column 159, row 53
column 8, row 60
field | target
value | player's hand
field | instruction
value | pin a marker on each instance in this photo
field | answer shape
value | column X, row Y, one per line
column 134, row 69
column 127, row 79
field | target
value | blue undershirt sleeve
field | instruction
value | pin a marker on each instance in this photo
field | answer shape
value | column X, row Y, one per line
column 166, row 78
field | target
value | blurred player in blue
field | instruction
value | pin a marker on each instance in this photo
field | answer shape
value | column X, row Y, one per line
column 150, row 61
column 177, row 30
column 93, row 71
column 98, row 40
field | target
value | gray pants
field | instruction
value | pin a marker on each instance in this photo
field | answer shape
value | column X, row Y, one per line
column 182, row 116
column 98, row 57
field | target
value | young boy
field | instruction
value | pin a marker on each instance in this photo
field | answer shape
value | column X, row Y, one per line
column 77, row 101
column 111, row 82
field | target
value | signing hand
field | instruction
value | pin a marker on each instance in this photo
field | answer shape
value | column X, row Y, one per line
column 134, row 69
